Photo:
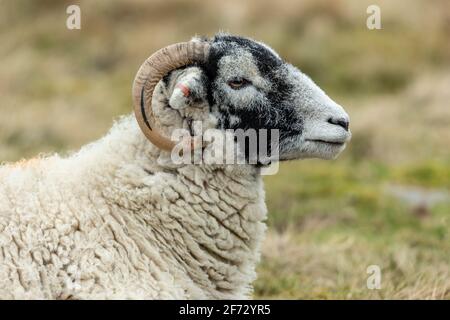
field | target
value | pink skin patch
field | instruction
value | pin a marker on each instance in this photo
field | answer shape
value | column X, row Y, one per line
column 184, row 89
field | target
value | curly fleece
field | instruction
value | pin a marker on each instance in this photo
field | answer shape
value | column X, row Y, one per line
column 117, row 220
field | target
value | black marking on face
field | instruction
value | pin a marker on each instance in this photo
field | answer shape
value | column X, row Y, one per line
column 211, row 70
column 278, row 113
column 265, row 59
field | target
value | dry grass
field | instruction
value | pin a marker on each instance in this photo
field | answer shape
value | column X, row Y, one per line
column 296, row 267
column 60, row 89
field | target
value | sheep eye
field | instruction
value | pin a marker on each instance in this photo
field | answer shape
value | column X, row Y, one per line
column 238, row 83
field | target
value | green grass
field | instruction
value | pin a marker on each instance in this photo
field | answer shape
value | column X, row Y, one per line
column 339, row 218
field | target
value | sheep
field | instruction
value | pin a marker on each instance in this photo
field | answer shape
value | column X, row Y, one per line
column 120, row 220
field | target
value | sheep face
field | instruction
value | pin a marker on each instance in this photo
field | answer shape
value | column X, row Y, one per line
column 249, row 86
column 244, row 84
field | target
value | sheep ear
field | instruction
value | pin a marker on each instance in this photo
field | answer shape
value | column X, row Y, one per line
column 181, row 96
column 188, row 89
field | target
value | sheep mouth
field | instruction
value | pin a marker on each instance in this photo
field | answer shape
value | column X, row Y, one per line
column 333, row 143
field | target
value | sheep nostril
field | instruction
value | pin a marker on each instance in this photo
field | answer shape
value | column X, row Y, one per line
column 342, row 122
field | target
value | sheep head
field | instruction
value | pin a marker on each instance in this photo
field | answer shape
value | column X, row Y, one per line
column 247, row 85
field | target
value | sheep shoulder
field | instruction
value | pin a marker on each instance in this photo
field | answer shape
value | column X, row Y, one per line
column 115, row 221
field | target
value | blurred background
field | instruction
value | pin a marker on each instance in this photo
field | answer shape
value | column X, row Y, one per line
column 384, row 202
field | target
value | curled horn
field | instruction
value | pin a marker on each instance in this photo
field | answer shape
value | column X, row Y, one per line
column 151, row 72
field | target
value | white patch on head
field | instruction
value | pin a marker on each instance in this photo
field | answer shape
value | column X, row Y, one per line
column 320, row 138
column 241, row 64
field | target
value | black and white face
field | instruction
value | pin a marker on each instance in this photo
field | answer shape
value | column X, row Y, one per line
column 248, row 86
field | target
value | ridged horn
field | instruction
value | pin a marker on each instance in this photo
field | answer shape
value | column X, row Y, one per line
column 151, row 72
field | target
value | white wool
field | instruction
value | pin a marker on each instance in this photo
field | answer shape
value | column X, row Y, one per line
column 116, row 220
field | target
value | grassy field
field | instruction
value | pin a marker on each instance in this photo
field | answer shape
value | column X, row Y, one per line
column 385, row 201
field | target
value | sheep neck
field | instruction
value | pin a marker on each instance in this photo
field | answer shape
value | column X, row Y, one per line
column 201, row 224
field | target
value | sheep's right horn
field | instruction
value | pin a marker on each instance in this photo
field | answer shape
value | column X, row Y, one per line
column 151, row 72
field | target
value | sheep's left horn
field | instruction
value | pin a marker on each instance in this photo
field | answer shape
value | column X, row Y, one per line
column 151, row 72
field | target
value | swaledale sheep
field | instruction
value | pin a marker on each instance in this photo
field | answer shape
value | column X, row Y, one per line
column 119, row 219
